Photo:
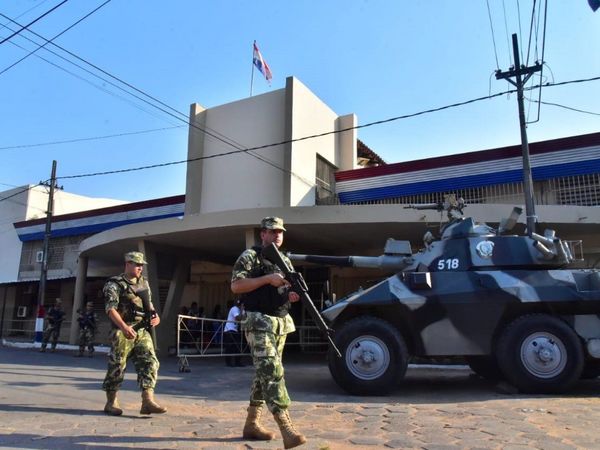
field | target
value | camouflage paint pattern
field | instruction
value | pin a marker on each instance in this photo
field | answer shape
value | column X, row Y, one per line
column 55, row 318
column 120, row 294
column 250, row 261
column 86, row 339
column 87, row 329
column 140, row 350
column 266, row 337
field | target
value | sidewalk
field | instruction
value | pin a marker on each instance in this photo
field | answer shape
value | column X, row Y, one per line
column 54, row 401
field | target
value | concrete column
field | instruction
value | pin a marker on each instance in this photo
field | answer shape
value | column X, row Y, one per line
column 347, row 142
column 193, row 184
column 78, row 298
column 287, row 148
column 168, row 319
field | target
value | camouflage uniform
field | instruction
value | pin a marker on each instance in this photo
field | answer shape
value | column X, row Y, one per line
column 55, row 317
column 120, row 294
column 266, row 337
column 87, row 330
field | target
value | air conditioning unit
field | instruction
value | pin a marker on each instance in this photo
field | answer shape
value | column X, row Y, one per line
column 22, row 311
column 39, row 256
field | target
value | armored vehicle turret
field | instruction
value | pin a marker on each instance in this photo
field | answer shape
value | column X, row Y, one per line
column 511, row 305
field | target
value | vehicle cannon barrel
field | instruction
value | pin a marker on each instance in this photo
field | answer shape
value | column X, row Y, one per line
column 370, row 262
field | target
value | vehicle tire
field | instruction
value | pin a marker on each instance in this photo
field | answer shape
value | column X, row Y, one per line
column 374, row 356
column 485, row 366
column 591, row 370
column 539, row 353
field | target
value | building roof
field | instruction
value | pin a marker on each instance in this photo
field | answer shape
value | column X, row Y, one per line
column 101, row 219
column 575, row 155
column 367, row 157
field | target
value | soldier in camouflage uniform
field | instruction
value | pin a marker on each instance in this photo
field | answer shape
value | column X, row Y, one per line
column 87, row 329
column 125, row 310
column 55, row 318
column 267, row 302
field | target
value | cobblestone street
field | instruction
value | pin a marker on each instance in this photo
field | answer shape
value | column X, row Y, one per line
column 54, row 401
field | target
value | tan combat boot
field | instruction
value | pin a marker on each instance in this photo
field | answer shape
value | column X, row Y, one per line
column 252, row 427
column 291, row 438
column 112, row 406
column 149, row 406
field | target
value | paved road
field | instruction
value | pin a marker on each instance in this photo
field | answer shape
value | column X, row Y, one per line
column 53, row 401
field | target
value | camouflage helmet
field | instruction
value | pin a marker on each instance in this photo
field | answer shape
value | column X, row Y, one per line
column 272, row 223
column 135, row 257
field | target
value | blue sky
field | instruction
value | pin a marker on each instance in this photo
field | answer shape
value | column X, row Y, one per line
column 377, row 59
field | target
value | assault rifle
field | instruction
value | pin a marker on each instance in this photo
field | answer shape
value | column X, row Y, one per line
column 85, row 321
column 147, row 315
column 299, row 286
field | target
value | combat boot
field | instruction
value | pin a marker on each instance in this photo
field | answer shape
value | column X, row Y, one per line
column 149, row 406
column 112, row 406
column 252, row 427
column 291, row 437
column 80, row 354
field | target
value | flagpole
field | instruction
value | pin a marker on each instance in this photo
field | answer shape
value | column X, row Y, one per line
column 252, row 76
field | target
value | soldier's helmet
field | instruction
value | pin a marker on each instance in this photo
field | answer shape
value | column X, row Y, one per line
column 89, row 304
column 135, row 257
column 58, row 302
column 272, row 223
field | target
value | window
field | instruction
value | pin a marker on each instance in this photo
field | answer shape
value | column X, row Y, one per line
column 325, row 193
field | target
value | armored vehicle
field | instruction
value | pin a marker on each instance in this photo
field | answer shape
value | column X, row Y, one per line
column 511, row 305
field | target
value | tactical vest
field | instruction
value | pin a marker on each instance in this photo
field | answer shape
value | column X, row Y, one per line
column 266, row 299
column 130, row 304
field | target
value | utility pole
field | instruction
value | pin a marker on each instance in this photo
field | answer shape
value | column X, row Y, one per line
column 522, row 75
column 39, row 323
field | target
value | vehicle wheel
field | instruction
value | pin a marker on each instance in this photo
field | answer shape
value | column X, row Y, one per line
column 374, row 356
column 540, row 354
column 485, row 366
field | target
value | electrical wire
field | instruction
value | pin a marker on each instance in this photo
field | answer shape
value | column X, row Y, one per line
column 530, row 32
column 23, row 27
column 21, row 191
column 314, row 136
column 493, row 37
column 94, row 138
column 510, row 58
column 566, row 107
column 520, row 32
column 182, row 117
column 379, row 122
column 100, row 88
column 539, row 102
column 58, row 35
column 37, row 5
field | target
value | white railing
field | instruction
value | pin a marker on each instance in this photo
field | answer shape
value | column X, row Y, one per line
column 199, row 337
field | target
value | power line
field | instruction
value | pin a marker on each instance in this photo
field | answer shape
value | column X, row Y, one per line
column 37, row 5
column 314, row 136
column 20, row 192
column 566, row 107
column 85, row 80
column 493, row 37
column 211, row 133
column 94, row 138
column 23, row 27
column 50, row 41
